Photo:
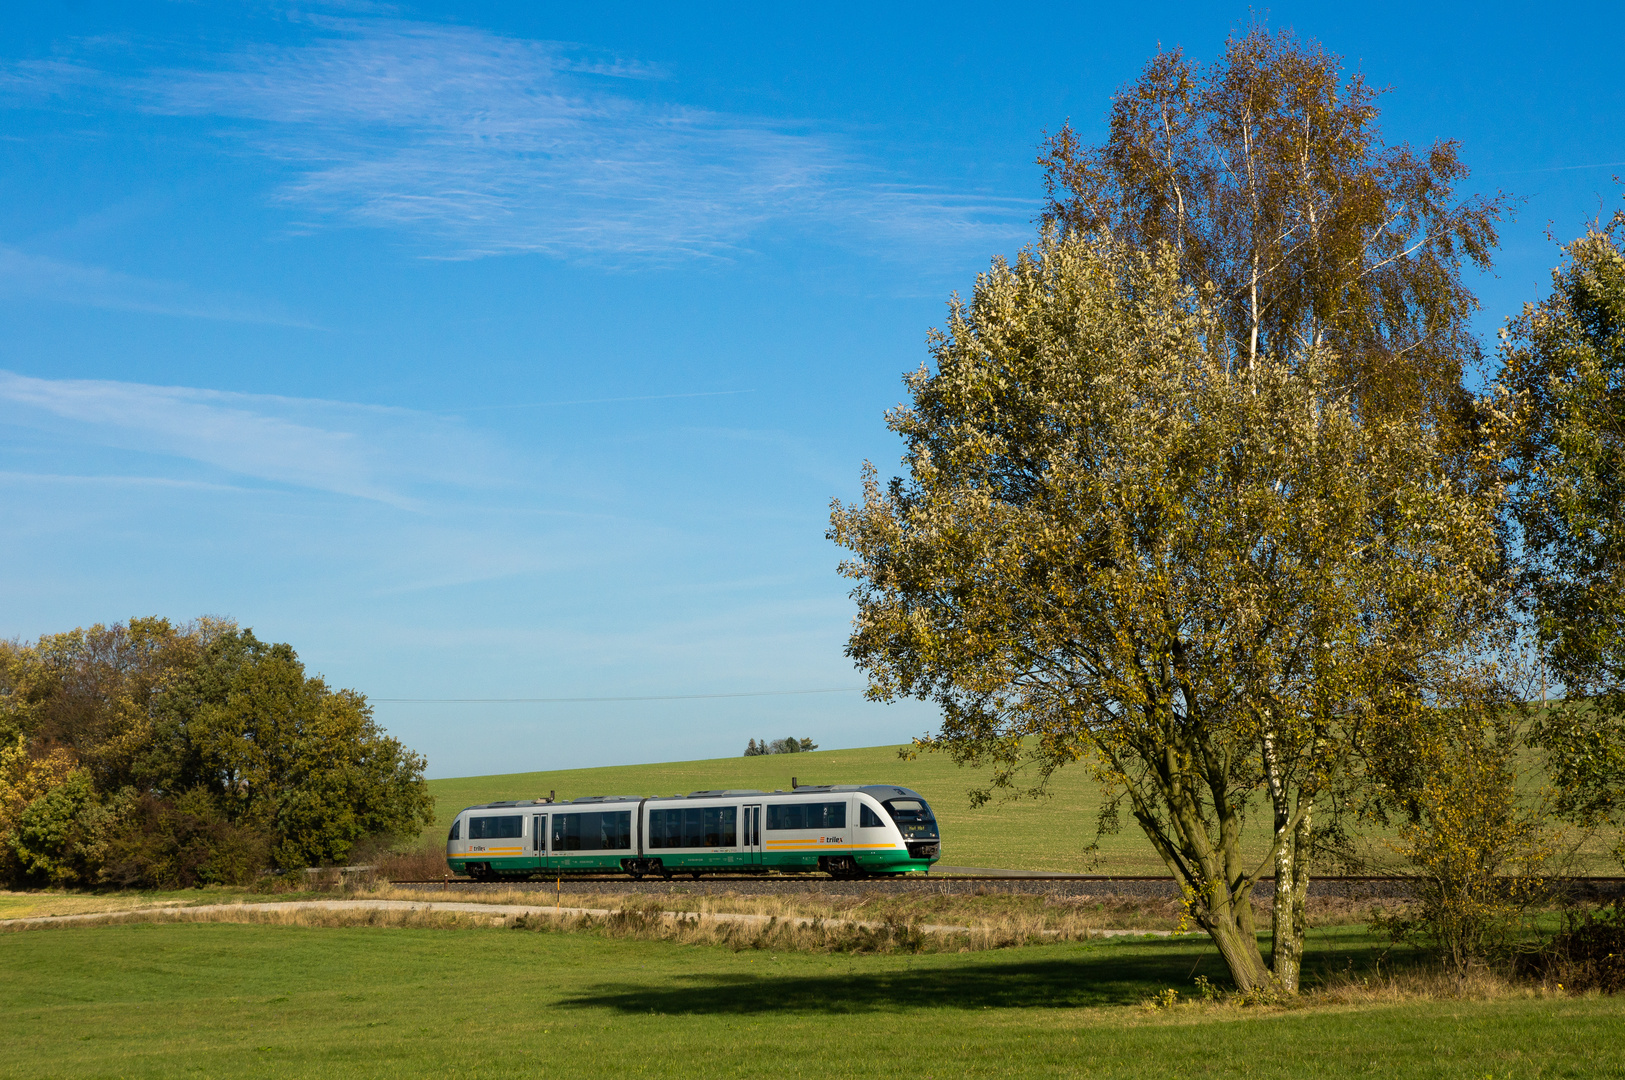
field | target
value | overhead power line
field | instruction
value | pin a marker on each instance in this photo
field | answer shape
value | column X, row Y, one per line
column 1557, row 168
column 571, row 700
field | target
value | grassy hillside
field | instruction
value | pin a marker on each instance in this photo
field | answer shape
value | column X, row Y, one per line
column 1021, row 834
column 1046, row 834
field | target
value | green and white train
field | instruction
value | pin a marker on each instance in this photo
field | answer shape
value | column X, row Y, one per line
column 843, row 831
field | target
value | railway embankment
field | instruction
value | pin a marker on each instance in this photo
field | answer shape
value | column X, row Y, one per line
column 1058, row 887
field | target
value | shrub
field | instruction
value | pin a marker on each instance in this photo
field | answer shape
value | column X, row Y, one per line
column 425, row 863
column 182, row 842
column 1476, row 857
column 1588, row 955
column 59, row 836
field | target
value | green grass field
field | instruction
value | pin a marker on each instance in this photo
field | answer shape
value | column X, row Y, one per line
column 283, row 1001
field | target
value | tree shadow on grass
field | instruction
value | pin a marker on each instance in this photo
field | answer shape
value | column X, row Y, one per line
column 1075, row 978
column 1080, row 979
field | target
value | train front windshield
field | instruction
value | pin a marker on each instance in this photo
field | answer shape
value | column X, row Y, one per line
column 913, row 817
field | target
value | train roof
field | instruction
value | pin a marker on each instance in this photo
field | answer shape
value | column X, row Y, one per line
column 878, row 791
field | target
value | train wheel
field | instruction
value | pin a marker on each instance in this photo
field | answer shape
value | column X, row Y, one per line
column 842, row 868
column 695, row 874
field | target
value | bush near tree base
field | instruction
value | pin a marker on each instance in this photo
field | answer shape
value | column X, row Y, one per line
column 1476, row 850
column 1588, row 955
column 182, row 842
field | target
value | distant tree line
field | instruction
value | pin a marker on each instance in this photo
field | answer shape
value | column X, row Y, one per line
column 163, row 755
column 790, row 745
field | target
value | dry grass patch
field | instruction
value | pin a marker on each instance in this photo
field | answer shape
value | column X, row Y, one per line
column 426, row 862
column 44, row 903
column 25, row 905
column 773, row 934
column 321, row 918
column 1008, row 913
column 1404, row 987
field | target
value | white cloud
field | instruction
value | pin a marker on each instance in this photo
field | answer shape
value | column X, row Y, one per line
column 22, row 273
column 484, row 144
column 369, row 452
column 47, row 77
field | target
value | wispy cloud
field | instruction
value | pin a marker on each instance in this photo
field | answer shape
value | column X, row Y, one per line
column 47, row 77
column 602, row 400
column 71, row 480
column 483, row 144
column 26, row 274
column 370, row 452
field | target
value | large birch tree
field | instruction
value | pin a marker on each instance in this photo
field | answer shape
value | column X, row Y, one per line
column 1268, row 175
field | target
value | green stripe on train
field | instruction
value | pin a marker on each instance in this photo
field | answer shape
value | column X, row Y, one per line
column 879, row 862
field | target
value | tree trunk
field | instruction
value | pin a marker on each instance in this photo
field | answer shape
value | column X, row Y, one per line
column 1239, row 950
column 1289, row 921
column 1224, row 911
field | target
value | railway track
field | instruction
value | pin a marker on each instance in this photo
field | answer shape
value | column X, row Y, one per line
column 784, row 879
column 915, row 879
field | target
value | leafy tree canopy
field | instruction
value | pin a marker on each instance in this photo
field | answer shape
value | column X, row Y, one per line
column 1212, row 581
column 120, row 736
column 1563, row 378
column 1267, row 175
column 1195, row 492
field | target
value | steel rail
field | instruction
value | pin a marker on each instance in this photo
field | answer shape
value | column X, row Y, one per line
column 877, row 879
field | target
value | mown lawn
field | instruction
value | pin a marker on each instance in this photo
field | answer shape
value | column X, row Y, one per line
column 273, row 1001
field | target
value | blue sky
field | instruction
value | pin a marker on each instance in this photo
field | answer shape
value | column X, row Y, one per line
column 516, row 351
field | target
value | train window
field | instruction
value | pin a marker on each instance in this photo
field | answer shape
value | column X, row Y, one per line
column 784, row 817
column 610, row 831
column 868, row 818
column 913, row 817
column 694, row 826
column 665, row 828
column 720, row 826
column 456, row 830
column 807, row 816
column 510, row 826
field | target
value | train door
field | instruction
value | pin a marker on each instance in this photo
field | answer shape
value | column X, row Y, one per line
column 538, row 840
column 750, row 835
